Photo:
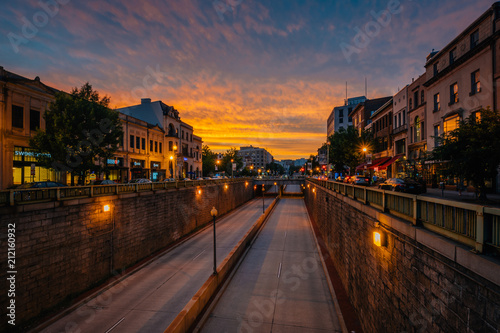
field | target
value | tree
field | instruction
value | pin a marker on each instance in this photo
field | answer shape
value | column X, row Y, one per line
column 275, row 168
column 208, row 158
column 346, row 148
column 226, row 164
column 472, row 150
column 80, row 130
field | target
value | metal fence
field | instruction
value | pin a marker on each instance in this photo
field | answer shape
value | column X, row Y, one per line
column 26, row 196
column 471, row 224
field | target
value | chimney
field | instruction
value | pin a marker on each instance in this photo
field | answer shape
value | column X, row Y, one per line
column 145, row 100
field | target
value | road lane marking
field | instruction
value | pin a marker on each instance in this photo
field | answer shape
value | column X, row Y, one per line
column 198, row 255
column 279, row 271
column 113, row 327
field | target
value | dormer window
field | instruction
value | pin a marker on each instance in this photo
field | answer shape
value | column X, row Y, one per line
column 436, row 69
column 453, row 56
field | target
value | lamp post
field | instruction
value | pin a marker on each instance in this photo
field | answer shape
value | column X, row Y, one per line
column 213, row 212
column 364, row 158
column 232, row 169
column 174, row 158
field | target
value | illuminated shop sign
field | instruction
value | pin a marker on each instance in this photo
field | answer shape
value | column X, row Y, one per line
column 155, row 165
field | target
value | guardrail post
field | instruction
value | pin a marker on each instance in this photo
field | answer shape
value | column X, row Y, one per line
column 136, row 187
column 479, row 229
column 91, row 191
column 415, row 210
column 58, row 194
column 116, row 189
column 365, row 199
column 11, row 198
column 383, row 201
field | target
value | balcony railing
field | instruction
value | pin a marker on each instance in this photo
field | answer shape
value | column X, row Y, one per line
column 474, row 225
column 400, row 129
column 27, row 196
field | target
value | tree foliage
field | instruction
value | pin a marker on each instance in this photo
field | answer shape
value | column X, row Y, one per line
column 226, row 164
column 208, row 158
column 275, row 168
column 81, row 132
column 346, row 148
column 472, row 150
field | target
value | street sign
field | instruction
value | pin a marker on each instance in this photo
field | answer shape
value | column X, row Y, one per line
column 234, row 166
column 92, row 176
column 32, row 169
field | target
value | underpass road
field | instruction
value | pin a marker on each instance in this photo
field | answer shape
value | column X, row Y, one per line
column 149, row 299
column 280, row 285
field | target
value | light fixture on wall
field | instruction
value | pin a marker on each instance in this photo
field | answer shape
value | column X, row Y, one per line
column 379, row 238
column 106, row 208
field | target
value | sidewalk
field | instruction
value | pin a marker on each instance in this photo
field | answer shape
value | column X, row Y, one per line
column 493, row 199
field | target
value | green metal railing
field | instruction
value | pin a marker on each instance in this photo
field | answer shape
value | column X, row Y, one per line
column 25, row 196
column 470, row 224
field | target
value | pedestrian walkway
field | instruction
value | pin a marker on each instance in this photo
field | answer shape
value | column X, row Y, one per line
column 280, row 286
column 468, row 197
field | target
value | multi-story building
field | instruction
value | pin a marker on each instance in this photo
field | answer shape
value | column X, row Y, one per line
column 382, row 156
column 23, row 103
column 462, row 78
column 255, row 156
column 180, row 149
column 363, row 111
column 399, row 130
column 417, row 135
column 339, row 117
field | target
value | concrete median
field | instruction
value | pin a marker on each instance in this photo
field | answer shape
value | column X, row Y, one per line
column 189, row 314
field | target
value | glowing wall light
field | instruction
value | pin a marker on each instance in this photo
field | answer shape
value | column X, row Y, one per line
column 106, row 208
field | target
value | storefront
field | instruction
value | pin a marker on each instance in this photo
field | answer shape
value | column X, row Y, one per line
column 117, row 170
column 137, row 169
column 157, row 173
column 26, row 168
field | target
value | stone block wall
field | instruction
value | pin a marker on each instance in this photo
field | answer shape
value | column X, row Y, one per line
column 417, row 282
column 65, row 248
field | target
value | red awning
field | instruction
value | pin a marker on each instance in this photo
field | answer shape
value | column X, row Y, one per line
column 378, row 161
column 384, row 165
column 361, row 166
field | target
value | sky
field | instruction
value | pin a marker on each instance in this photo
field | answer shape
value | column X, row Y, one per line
column 241, row 72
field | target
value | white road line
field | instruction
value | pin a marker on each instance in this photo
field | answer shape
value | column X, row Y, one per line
column 115, row 325
column 279, row 271
column 198, row 255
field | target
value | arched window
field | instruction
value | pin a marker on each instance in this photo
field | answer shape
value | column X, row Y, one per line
column 417, row 129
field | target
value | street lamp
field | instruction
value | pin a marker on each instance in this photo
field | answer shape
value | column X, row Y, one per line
column 232, row 169
column 213, row 212
column 263, row 189
column 174, row 159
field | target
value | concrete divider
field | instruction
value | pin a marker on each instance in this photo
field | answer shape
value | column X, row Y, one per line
column 187, row 317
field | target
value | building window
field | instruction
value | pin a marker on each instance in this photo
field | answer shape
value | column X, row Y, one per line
column 160, row 147
column 417, row 129
column 132, row 141
column 451, row 123
column 137, row 142
column 436, row 135
column 34, row 120
column 156, row 146
column 475, row 83
column 400, row 147
column 150, row 145
column 170, row 146
column 422, row 97
column 411, row 104
column 474, row 39
column 17, row 116
column 415, row 98
column 453, row 55
column 454, row 93
column 476, row 115
column 143, row 144
column 437, row 104
column 435, row 67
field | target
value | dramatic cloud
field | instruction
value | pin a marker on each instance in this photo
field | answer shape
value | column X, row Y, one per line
column 240, row 71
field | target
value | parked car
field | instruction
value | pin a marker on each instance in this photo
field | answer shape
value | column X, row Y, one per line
column 140, row 181
column 360, row 180
column 347, row 179
column 406, row 185
column 103, row 182
column 40, row 185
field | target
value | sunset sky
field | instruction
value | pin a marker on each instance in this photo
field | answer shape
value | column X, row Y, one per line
column 266, row 73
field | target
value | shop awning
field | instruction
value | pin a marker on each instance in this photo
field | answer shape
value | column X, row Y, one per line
column 378, row 161
column 384, row 165
column 361, row 166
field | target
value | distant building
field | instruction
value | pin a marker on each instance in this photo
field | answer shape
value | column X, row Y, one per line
column 363, row 111
column 339, row 117
column 170, row 145
column 255, row 156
